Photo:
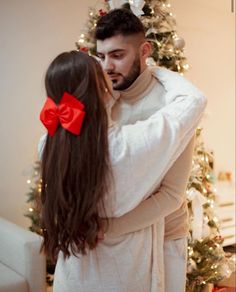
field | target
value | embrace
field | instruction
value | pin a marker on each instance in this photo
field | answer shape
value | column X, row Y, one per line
column 115, row 165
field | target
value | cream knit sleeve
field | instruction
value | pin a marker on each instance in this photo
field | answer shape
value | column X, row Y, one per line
column 169, row 197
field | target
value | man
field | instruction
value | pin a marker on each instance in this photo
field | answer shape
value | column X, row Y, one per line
column 123, row 50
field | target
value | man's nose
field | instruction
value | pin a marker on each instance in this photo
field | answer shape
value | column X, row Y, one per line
column 108, row 65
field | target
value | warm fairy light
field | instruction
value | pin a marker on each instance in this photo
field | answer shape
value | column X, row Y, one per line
column 214, row 266
column 31, row 209
column 91, row 13
column 190, row 252
column 81, row 40
column 186, row 66
column 82, row 35
column 215, row 219
column 28, row 181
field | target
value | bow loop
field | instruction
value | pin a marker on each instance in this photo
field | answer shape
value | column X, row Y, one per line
column 135, row 5
column 69, row 114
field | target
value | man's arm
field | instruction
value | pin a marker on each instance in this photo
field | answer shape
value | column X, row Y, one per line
column 169, row 197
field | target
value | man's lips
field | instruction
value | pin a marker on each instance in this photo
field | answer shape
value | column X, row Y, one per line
column 113, row 76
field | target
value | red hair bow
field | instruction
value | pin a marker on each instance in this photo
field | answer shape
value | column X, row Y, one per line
column 69, row 113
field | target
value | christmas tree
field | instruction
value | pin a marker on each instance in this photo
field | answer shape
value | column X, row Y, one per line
column 207, row 261
column 34, row 197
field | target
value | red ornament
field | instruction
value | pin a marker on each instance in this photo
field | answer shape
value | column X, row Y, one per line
column 102, row 13
column 84, row 49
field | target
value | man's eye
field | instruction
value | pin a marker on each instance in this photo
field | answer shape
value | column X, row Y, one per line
column 118, row 56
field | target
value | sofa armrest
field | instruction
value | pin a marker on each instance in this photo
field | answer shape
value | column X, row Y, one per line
column 19, row 250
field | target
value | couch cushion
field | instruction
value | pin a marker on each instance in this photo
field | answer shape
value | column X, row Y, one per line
column 10, row 281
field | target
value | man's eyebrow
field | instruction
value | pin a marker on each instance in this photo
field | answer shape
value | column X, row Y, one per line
column 113, row 51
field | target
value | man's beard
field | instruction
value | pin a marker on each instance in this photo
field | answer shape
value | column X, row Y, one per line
column 130, row 78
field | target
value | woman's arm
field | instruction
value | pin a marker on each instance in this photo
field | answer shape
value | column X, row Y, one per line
column 169, row 197
column 142, row 153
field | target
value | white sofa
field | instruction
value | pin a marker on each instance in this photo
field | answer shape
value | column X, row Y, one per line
column 22, row 268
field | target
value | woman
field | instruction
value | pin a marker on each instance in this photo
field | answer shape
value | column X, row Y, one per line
column 88, row 174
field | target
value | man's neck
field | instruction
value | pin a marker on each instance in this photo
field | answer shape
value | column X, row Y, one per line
column 139, row 87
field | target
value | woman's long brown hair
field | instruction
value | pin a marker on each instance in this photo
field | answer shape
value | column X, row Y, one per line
column 75, row 169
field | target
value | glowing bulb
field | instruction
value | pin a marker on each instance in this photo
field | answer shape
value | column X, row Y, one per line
column 82, row 35
column 215, row 219
column 28, row 181
column 186, row 66
column 81, row 41
column 31, row 209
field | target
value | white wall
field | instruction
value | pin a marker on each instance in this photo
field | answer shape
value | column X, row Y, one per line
column 208, row 28
column 34, row 32
column 31, row 34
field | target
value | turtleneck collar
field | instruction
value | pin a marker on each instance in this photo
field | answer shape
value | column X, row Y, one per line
column 140, row 88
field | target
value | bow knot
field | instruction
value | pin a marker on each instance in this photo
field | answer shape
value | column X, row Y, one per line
column 69, row 113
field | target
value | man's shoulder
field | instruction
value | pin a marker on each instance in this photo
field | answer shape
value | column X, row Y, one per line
column 174, row 81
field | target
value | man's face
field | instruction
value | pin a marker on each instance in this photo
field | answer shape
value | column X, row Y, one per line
column 120, row 59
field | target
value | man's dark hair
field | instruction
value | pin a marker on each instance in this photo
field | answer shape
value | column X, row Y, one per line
column 118, row 21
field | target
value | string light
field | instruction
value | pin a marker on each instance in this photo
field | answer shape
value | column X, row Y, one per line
column 186, row 66
column 28, row 181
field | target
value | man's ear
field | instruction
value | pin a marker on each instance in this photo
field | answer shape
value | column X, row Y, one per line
column 145, row 50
